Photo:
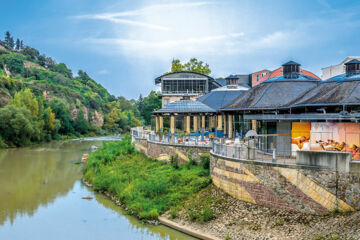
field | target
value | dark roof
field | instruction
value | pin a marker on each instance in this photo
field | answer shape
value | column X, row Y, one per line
column 338, row 90
column 352, row 61
column 221, row 81
column 186, row 106
column 291, row 63
column 273, row 94
column 186, row 74
column 218, row 99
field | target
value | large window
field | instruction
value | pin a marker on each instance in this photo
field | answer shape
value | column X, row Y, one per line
column 184, row 86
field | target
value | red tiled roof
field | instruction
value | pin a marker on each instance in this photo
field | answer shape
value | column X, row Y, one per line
column 279, row 71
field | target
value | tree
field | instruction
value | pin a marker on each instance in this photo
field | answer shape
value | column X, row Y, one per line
column 21, row 44
column 197, row 66
column 7, row 38
column 11, row 43
column 50, row 121
column 17, row 47
column 62, row 113
column 151, row 103
column 140, row 102
column 176, row 66
column 80, row 124
column 15, row 63
column 17, row 126
column 62, row 68
column 26, row 99
column 192, row 65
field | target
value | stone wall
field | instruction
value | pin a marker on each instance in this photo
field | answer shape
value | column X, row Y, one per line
column 294, row 188
column 163, row 152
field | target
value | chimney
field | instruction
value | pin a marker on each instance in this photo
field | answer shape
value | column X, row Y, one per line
column 352, row 67
column 232, row 81
column 291, row 70
column 186, row 97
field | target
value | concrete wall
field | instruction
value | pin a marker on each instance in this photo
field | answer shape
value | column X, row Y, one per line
column 283, row 143
column 339, row 161
column 294, row 188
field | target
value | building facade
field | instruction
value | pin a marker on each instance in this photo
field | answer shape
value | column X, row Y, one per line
column 175, row 85
column 335, row 70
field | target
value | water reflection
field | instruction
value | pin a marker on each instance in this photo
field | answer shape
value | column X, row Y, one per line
column 41, row 195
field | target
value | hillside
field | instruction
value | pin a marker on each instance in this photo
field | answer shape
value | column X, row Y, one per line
column 42, row 100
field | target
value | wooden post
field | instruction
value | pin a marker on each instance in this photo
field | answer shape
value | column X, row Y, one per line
column 254, row 127
column 172, row 124
column 203, row 122
column 219, row 118
column 230, row 120
column 187, row 124
column 195, row 123
column 161, row 123
column 157, row 124
column 225, row 124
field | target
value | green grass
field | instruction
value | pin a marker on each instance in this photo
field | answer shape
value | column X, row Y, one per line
column 146, row 187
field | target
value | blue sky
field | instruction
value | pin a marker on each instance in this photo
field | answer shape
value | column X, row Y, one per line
column 124, row 45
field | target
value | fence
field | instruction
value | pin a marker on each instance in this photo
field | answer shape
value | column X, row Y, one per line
column 245, row 152
column 184, row 141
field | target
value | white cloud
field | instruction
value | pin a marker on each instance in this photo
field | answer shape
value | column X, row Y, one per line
column 118, row 17
column 103, row 72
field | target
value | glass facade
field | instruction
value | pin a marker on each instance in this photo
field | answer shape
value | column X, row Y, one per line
column 184, row 86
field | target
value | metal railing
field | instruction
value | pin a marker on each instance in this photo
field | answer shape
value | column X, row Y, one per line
column 184, row 141
column 245, row 152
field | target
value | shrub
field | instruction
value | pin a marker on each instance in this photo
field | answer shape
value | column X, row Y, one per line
column 146, row 186
column 205, row 160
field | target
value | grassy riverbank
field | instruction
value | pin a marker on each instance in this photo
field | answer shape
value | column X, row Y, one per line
column 145, row 186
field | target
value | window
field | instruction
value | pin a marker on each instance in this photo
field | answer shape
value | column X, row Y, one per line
column 166, row 102
column 257, row 77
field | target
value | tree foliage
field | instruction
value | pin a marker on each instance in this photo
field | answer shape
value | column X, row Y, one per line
column 149, row 104
column 193, row 65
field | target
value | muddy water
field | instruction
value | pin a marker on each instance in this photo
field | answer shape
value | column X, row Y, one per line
column 41, row 198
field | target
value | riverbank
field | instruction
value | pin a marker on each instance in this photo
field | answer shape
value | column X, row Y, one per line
column 144, row 186
column 235, row 219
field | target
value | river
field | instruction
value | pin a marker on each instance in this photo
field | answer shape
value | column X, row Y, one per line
column 41, row 198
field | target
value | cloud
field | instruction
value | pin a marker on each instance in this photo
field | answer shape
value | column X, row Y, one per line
column 120, row 17
column 103, row 72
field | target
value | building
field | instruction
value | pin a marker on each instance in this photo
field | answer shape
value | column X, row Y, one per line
column 258, row 108
column 335, row 70
column 177, row 84
column 203, row 114
column 256, row 76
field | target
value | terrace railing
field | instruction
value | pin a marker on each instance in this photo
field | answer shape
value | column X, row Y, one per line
column 183, row 141
column 245, row 152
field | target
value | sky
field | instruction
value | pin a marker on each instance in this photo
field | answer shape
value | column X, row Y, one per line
column 126, row 44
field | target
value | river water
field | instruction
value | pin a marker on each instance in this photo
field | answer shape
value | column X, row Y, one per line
column 41, row 198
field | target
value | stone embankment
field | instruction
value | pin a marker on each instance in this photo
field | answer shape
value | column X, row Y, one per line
column 235, row 219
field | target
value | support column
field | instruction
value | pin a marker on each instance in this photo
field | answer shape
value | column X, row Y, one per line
column 156, row 124
column 254, row 127
column 187, row 124
column 161, row 123
column 172, row 124
column 219, row 118
column 203, row 122
column 230, row 120
column 225, row 124
column 195, row 123
column 211, row 122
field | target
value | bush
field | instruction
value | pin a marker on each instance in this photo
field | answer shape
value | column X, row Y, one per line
column 146, row 186
column 205, row 160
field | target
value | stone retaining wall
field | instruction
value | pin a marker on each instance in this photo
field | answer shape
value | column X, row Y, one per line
column 290, row 187
column 294, row 188
column 163, row 152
